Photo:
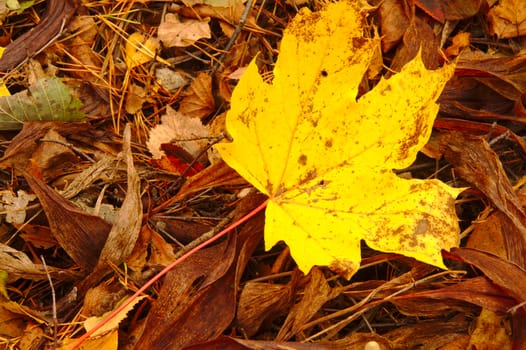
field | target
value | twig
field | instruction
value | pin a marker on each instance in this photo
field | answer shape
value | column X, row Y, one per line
column 54, row 304
column 234, row 36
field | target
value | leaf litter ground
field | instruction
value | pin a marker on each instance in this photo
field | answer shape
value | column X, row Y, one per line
column 235, row 294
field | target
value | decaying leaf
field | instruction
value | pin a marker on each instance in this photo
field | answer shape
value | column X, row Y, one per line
column 48, row 99
column 14, row 205
column 325, row 159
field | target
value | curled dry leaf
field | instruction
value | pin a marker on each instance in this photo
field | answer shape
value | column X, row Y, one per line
column 127, row 225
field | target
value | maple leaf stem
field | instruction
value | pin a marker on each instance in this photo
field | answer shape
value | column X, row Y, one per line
column 164, row 271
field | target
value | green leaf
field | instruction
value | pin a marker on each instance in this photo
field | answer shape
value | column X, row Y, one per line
column 46, row 100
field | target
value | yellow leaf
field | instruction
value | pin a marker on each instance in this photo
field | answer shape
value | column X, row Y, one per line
column 325, row 159
column 140, row 50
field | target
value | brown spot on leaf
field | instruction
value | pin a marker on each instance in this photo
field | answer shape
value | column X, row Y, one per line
column 422, row 226
column 302, row 160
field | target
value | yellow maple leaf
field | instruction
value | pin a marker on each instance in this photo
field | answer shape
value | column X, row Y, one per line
column 326, row 159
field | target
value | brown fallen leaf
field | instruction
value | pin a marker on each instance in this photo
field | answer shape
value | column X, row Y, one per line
column 24, row 144
column 460, row 41
column 261, row 302
column 478, row 164
column 508, row 276
column 183, row 231
column 198, row 101
column 53, row 157
column 504, row 75
column 198, row 297
column 82, row 53
column 478, row 291
column 429, row 335
column 317, row 293
column 459, row 9
column 394, row 17
column 477, row 128
column 488, row 234
column 491, row 332
column 18, row 265
column 57, row 15
column 183, row 130
column 228, row 15
column 442, row 10
column 150, row 250
column 174, row 32
column 229, row 343
column 126, row 227
column 80, row 234
column 135, row 98
column 507, row 19
column 196, row 300
column 218, row 174
column 419, row 37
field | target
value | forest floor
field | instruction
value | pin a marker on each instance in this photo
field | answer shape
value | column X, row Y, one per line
column 100, row 200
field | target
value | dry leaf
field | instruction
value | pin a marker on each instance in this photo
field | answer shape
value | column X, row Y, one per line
column 198, row 101
column 508, row 19
column 91, row 322
column 174, row 32
column 394, row 20
column 135, row 98
column 317, row 293
column 14, row 205
column 477, row 163
column 140, row 49
column 196, row 299
column 170, row 79
column 186, row 132
column 18, row 265
column 80, row 234
column 325, row 159
column 125, row 230
column 491, row 332
column 228, row 16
